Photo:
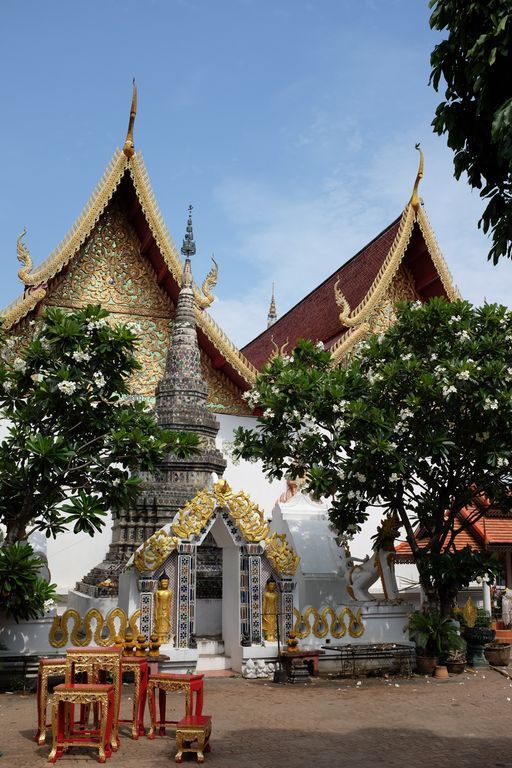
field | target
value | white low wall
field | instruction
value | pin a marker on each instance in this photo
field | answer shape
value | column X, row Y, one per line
column 27, row 636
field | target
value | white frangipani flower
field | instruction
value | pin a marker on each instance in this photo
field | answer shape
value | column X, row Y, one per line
column 67, row 387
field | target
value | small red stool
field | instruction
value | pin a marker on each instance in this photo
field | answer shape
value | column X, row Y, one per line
column 192, row 685
column 139, row 666
column 193, row 735
column 64, row 735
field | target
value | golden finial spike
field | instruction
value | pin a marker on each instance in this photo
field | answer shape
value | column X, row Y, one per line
column 129, row 148
column 272, row 312
column 415, row 199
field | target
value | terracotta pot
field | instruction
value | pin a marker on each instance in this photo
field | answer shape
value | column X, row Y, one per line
column 441, row 672
column 425, row 665
column 498, row 654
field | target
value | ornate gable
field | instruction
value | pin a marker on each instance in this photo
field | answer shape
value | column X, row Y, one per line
column 119, row 253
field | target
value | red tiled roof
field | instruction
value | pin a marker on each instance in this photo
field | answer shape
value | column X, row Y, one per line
column 316, row 317
column 487, row 532
column 498, row 530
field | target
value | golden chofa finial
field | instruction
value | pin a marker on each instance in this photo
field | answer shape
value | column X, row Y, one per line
column 24, row 259
column 415, row 199
column 129, row 148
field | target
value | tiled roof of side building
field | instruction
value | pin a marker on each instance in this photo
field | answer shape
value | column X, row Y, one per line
column 316, row 316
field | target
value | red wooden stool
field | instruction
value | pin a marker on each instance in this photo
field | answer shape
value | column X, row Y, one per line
column 48, row 668
column 139, row 666
column 192, row 685
column 97, row 661
column 193, row 735
column 64, row 735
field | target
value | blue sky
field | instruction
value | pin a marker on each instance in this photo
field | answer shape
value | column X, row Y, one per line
column 289, row 124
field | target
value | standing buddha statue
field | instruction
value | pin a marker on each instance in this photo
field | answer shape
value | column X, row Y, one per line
column 270, row 611
column 163, row 602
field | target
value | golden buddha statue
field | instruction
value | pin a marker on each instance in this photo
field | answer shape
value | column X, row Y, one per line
column 270, row 611
column 163, row 602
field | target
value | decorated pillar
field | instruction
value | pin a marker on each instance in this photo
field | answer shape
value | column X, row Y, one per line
column 287, row 618
column 185, row 625
column 147, row 589
column 254, row 563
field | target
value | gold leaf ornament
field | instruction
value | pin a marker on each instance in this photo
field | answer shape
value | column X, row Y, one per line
column 283, row 558
column 154, row 551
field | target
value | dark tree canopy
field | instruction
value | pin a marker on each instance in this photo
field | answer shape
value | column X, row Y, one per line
column 475, row 63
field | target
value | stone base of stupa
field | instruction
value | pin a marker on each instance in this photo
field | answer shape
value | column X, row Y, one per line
column 83, row 603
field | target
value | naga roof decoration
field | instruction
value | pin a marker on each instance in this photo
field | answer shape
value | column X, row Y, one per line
column 192, row 520
column 124, row 162
column 356, row 320
column 406, row 252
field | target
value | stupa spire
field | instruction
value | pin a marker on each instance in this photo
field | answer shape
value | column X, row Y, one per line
column 272, row 313
column 183, row 358
column 188, row 248
column 129, row 147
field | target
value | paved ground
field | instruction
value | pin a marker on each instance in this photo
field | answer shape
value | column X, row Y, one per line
column 464, row 721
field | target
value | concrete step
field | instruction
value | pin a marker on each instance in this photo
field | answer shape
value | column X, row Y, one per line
column 210, row 646
column 213, row 661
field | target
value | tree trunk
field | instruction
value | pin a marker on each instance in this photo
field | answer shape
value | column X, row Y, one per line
column 16, row 531
column 446, row 600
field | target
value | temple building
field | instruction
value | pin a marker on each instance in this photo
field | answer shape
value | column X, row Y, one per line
column 120, row 254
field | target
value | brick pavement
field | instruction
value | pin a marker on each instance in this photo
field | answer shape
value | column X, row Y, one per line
column 459, row 723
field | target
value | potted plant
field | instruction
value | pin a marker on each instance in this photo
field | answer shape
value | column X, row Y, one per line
column 478, row 633
column 456, row 661
column 498, row 654
column 433, row 634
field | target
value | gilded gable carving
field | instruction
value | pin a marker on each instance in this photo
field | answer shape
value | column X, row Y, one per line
column 223, row 396
column 401, row 288
column 110, row 270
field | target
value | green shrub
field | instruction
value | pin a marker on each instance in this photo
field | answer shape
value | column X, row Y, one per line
column 434, row 634
column 23, row 592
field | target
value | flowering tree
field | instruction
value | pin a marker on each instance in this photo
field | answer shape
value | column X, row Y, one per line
column 419, row 423
column 74, row 443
